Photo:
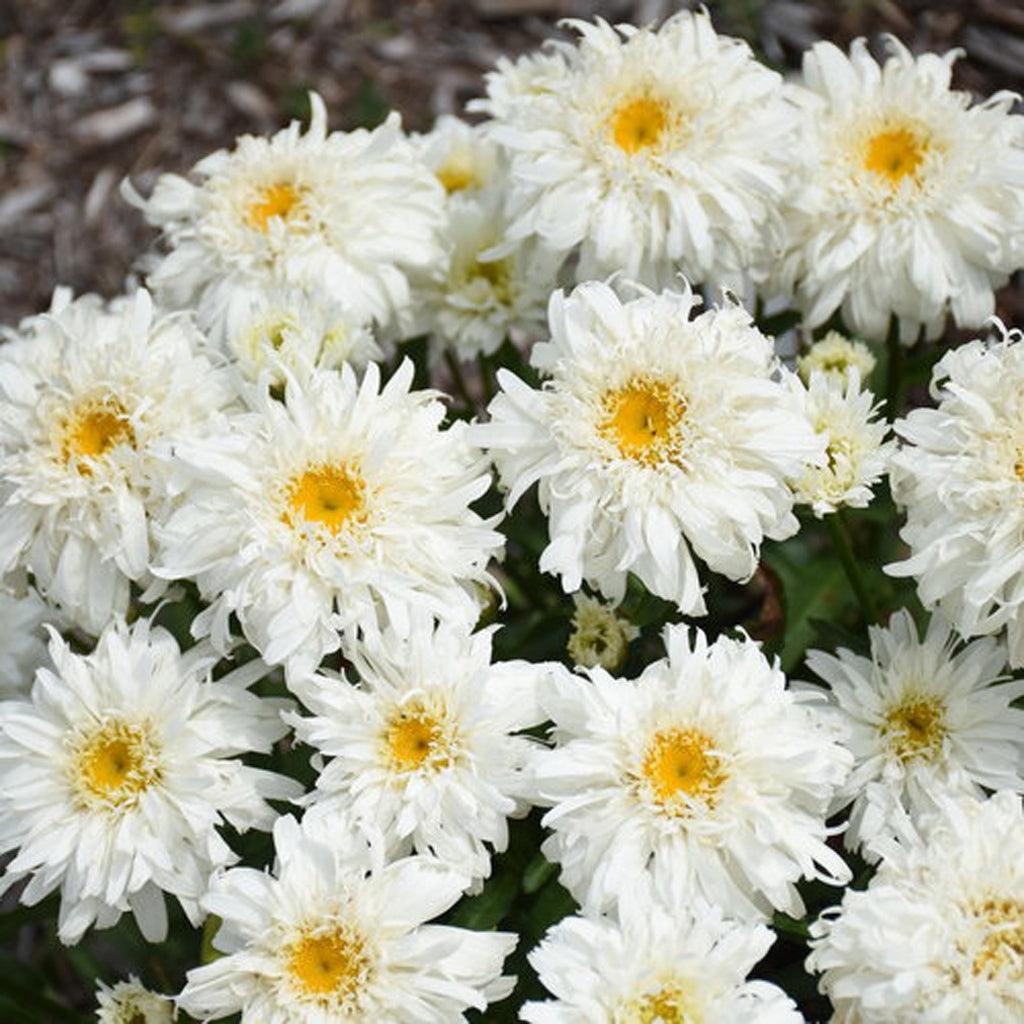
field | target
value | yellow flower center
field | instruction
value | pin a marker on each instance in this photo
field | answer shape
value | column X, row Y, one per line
column 457, row 175
column 94, row 429
column 498, row 274
column 895, row 154
column 278, row 200
column 328, row 967
column 915, row 728
column 332, row 496
column 642, row 420
column 638, row 123
column 680, row 766
column 115, row 764
column 416, row 739
column 671, row 1004
column 1002, row 949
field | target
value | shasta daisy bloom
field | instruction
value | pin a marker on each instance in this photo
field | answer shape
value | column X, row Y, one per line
column 908, row 200
column 130, row 1002
column 924, row 717
column 424, row 748
column 837, row 355
column 650, row 150
column 650, row 964
column 600, row 635
column 491, row 289
column 938, row 935
column 288, row 328
column 343, row 214
column 344, row 505
column 117, row 772
column 856, row 449
column 461, row 156
column 705, row 772
column 960, row 476
column 656, row 437
column 335, row 934
column 23, row 618
column 89, row 397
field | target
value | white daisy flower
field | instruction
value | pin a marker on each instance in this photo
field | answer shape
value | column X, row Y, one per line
column 960, row 475
column 705, row 772
column 649, row 150
column 599, row 636
column 837, row 355
column 335, row 934
column 651, row 964
column 130, row 1002
column 656, row 435
column 343, row 214
column 922, row 720
column 289, row 329
column 23, row 618
column 512, row 82
column 423, row 749
column 89, row 398
column 938, row 935
column 344, row 505
column 461, row 156
column 856, row 449
column 117, row 772
column 907, row 199
column 491, row 289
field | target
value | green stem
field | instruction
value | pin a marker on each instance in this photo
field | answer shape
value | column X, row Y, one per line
column 897, row 364
column 459, row 380
column 488, row 379
column 840, row 537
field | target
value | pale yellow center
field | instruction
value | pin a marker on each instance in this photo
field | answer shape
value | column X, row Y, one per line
column 328, row 966
column 680, row 764
column 642, row 420
column 498, row 274
column 638, row 123
column 895, row 154
column 332, row 496
column 278, row 200
column 915, row 728
column 94, row 429
column 416, row 739
column 1002, row 949
column 115, row 764
column 1018, row 465
column 457, row 175
column 671, row 1004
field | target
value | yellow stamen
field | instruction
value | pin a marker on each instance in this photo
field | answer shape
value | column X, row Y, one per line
column 895, row 154
column 332, row 496
column 671, row 1004
column 680, row 763
column 1002, row 949
column 416, row 739
column 328, row 966
column 279, row 200
column 638, row 123
column 642, row 420
column 457, row 175
column 94, row 429
column 116, row 764
column 916, row 728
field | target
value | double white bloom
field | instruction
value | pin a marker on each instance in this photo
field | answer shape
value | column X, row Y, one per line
column 656, row 436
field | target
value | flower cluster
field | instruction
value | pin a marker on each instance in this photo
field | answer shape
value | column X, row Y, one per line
column 413, row 614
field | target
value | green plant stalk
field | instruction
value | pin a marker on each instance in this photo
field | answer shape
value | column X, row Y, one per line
column 839, row 535
column 895, row 370
column 459, row 380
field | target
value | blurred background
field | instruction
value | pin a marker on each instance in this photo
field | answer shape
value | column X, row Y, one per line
column 92, row 91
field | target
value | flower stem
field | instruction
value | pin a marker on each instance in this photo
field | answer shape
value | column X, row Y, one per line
column 459, row 380
column 897, row 363
column 839, row 535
